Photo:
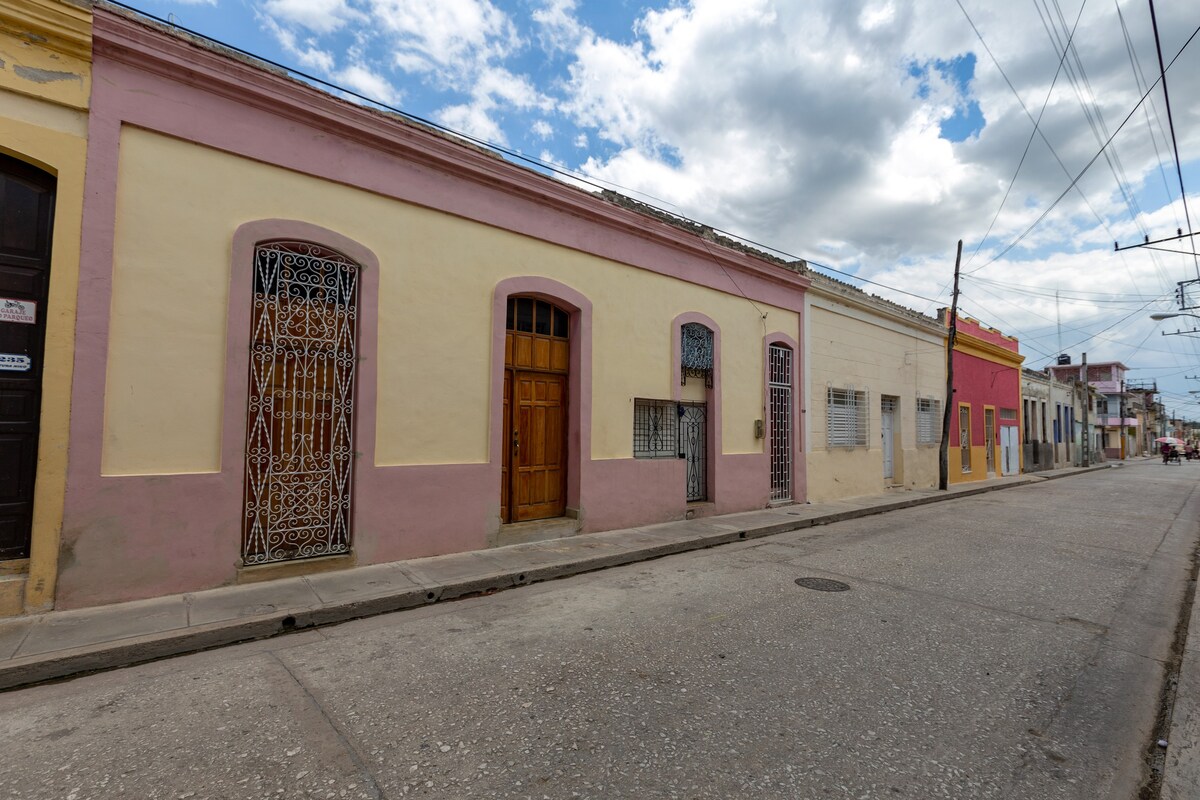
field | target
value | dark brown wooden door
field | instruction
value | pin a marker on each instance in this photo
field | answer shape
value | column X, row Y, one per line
column 26, row 221
column 539, row 474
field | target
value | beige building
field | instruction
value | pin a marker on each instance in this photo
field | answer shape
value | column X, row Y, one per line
column 45, row 86
column 876, row 378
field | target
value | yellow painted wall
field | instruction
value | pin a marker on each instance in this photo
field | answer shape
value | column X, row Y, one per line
column 43, row 121
column 178, row 205
column 852, row 346
column 978, row 464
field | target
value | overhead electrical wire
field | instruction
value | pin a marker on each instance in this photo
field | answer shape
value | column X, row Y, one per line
column 1074, row 181
column 1174, row 142
column 1032, row 134
column 1041, row 133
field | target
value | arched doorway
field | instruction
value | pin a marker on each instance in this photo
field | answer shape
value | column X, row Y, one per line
column 26, row 223
column 536, row 373
column 300, row 426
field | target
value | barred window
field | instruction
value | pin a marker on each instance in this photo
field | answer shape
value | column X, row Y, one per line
column 655, row 428
column 1009, row 414
column 696, row 353
column 846, row 418
column 929, row 421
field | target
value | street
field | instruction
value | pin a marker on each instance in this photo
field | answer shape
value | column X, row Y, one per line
column 1007, row 645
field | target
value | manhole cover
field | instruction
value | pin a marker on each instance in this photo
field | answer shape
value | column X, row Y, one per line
column 822, row 584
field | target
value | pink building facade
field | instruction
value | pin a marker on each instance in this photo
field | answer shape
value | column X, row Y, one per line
column 474, row 291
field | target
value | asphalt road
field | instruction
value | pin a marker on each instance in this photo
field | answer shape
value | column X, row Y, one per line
column 1005, row 645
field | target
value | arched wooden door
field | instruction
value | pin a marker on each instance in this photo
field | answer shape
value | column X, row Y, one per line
column 536, row 370
column 26, row 223
column 300, row 427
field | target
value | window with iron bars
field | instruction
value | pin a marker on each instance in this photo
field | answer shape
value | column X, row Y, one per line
column 929, row 421
column 655, row 429
column 846, row 418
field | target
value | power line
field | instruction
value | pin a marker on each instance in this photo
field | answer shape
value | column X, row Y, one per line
column 1075, row 180
column 1171, row 124
column 1028, row 142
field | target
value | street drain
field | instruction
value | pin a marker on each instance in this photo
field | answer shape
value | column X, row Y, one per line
column 822, row 584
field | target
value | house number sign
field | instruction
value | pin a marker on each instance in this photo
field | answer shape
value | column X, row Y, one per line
column 22, row 311
column 15, row 362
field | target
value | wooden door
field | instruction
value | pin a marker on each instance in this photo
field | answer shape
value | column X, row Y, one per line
column 538, row 468
column 533, row 472
column 26, row 220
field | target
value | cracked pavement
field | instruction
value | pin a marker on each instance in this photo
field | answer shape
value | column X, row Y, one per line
column 1007, row 645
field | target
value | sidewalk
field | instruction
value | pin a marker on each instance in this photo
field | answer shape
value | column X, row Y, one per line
column 64, row 643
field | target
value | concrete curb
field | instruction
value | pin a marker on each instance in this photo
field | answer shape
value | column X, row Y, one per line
column 59, row 664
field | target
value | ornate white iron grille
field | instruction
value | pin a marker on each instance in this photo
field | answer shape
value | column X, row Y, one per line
column 929, row 421
column 845, row 418
column 696, row 353
column 779, row 380
column 299, row 442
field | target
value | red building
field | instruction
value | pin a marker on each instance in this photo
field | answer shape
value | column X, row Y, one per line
column 985, row 438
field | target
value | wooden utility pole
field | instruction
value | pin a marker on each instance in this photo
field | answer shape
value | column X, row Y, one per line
column 1085, row 459
column 944, row 455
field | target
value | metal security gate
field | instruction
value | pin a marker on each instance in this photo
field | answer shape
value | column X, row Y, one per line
column 693, row 447
column 299, row 443
column 887, row 435
column 779, row 382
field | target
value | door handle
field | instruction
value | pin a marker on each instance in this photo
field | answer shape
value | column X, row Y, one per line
column 516, row 442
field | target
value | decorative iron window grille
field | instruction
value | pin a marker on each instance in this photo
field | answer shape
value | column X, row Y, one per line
column 696, row 353
column 846, row 419
column 299, row 438
column 779, row 382
column 655, row 429
column 964, row 436
column 693, row 447
column 1009, row 414
column 929, row 421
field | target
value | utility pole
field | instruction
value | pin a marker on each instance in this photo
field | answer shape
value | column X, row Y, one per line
column 1121, row 408
column 1085, row 455
column 944, row 454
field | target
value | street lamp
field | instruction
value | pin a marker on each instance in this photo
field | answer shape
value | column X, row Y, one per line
column 1161, row 315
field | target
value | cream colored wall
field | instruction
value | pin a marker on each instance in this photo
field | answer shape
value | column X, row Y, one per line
column 43, row 121
column 178, row 205
column 849, row 346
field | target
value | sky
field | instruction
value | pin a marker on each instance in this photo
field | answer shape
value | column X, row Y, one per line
column 867, row 137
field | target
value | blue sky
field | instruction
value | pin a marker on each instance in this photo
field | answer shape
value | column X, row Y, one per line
column 866, row 136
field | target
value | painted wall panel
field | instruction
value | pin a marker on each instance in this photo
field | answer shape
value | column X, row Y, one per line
column 178, row 205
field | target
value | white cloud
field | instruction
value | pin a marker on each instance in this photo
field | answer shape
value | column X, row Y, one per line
column 542, row 129
column 319, row 16
column 451, row 39
column 581, row 141
column 369, row 83
column 307, row 54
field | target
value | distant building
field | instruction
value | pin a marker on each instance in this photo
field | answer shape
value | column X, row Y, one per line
column 1117, row 423
column 1048, row 412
